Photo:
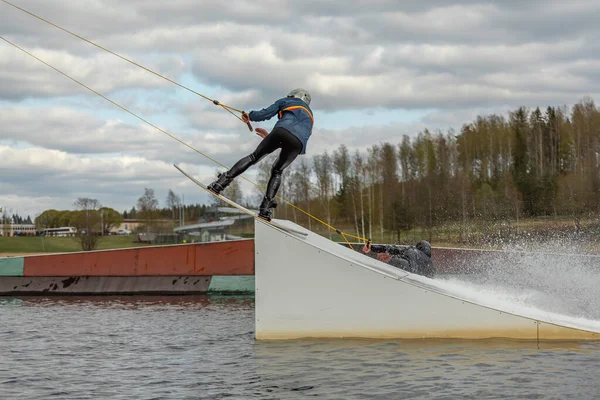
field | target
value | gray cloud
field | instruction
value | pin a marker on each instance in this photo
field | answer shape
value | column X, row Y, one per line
column 78, row 132
column 459, row 58
column 75, row 132
column 22, row 76
column 433, row 54
column 31, row 176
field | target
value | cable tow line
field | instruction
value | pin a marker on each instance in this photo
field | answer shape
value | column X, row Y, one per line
column 216, row 102
column 227, row 108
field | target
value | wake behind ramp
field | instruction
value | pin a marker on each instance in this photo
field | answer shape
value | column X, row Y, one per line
column 312, row 287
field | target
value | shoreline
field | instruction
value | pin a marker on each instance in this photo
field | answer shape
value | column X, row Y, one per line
column 16, row 254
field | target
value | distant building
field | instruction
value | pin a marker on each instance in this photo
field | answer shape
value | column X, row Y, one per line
column 17, row 230
column 128, row 224
column 132, row 225
column 206, row 231
column 216, row 230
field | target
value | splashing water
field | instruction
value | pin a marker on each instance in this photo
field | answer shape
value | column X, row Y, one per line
column 553, row 279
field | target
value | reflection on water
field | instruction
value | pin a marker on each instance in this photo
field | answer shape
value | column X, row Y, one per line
column 137, row 347
column 450, row 369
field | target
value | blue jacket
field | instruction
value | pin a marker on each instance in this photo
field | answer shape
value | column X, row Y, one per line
column 294, row 116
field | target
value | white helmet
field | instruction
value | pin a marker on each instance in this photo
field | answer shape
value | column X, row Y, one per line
column 301, row 94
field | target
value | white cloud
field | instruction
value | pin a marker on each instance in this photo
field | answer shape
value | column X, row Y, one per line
column 457, row 58
column 36, row 179
column 74, row 131
column 23, row 76
column 77, row 132
column 385, row 55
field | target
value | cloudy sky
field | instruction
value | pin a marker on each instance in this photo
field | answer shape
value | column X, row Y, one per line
column 376, row 70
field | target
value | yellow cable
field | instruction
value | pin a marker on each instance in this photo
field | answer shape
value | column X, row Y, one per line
column 109, row 100
column 226, row 107
column 171, row 136
column 344, row 236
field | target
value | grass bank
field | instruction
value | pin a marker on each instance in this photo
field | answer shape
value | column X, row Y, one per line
column 585, row 234
column 40, row 244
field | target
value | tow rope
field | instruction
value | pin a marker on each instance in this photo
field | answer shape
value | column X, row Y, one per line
column 230, row 109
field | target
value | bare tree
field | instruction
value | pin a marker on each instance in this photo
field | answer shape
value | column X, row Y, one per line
column 374, row 177
column 341, row 167
column 173, row 202
column 361, row 179
column 300, row 182
column 323, row 170
column 109, row 219
column 290, row 188
column 87, row 221
column 4, row 220
column 234, row 192
column 147, row 206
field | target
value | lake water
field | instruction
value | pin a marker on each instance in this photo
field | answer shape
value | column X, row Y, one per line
column 204, row 348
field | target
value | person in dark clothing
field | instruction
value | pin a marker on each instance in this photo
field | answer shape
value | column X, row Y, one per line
column 290, row 134
column 414, row 259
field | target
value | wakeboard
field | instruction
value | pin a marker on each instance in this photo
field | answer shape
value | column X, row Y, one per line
column 241, row 208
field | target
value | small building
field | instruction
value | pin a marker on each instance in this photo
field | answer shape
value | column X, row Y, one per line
column 128, row 224
column 207, row 231
column 17, row 230
column 214, row 226
column 133, row 225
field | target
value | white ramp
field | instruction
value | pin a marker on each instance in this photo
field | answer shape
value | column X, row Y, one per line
column 312, row 287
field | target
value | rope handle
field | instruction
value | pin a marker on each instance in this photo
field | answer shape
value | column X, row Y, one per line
column 246, row 119
column 227, row 108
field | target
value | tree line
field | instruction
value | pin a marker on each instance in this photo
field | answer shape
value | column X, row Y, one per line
column 88, row 213
column 92, row 220
column 7, row 217
column 148, row 207
column 531, row 163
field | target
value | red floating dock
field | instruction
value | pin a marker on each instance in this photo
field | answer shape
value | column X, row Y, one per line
column 215, row 258
column 179, row 269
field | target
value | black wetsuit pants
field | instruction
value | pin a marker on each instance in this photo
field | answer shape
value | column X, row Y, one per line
column 279, row 138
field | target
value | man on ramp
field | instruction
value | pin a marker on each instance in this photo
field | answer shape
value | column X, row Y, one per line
column 414, row 259
column 290, row 134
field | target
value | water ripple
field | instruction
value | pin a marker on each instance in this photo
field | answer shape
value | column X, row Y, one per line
column 204, row 348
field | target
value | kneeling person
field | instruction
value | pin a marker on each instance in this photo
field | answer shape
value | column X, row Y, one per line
column 414, row 259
